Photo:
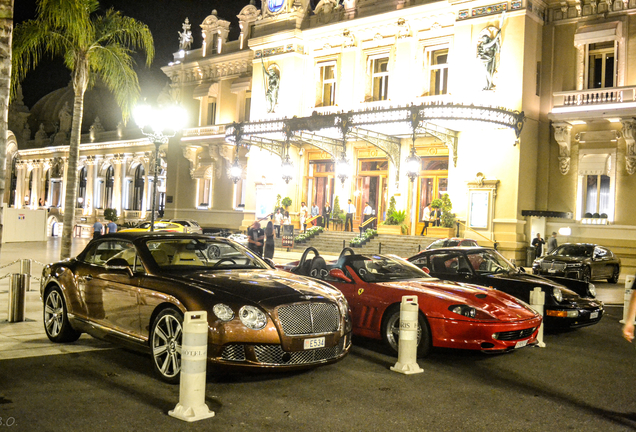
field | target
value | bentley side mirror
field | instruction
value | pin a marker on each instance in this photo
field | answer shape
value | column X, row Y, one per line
column 339, row 274
column 118, row 264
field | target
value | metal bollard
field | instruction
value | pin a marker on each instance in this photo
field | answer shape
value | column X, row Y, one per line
column 17, row 298
column 380, row 248
column 25, row 268
column 629, row 283
column 537, row 300
column 194, row 359
column 407, row 347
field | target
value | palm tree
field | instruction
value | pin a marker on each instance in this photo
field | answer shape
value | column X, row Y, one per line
column 93, row 44
column 6, row 28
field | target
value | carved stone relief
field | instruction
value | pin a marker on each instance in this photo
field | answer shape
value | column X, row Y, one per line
column 630, row 149
column 563, row 139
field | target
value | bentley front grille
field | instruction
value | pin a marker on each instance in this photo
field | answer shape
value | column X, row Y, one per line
column 274, row 354
column 309, row 318
column 515, row 335
column 233, row 352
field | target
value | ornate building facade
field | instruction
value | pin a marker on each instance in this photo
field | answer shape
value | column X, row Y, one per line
column 522, row 111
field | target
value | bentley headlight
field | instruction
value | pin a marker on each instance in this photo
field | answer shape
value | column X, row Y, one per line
column 223, row 312
column 343, row 306
column 252, row 317
column 557, row 294
column 591, row 289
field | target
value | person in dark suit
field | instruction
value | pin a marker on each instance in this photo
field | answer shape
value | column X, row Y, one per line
column 326, row 214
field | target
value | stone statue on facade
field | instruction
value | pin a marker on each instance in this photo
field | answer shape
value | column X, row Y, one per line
column 185, row 37
column 66, row 118
column 326, row 6
column 488, row 48
column 272, row 81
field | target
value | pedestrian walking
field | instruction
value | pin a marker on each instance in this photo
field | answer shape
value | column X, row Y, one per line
column 552, row 243
column 426, row 217
column 278, row 221
column 111, row 227
column 315, row 212
column 269, row 240
column 97, row 229
column 538, row 243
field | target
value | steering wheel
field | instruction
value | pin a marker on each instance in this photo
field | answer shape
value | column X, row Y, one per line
column 346, row 251
column 303, row 258
column 499, row 269
column 223, row 260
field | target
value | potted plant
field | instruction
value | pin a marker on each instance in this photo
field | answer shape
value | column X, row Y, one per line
column 447, row 220
column 286, row 202
column 394, row 223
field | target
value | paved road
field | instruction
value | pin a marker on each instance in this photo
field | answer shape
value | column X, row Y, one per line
column 582, row 381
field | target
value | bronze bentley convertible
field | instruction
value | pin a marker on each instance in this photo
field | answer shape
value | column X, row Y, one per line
column 135, row 287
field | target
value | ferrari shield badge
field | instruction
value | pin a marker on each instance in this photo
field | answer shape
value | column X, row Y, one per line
column 360, row 291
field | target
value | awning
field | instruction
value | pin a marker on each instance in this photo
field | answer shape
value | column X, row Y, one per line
column 594, row 164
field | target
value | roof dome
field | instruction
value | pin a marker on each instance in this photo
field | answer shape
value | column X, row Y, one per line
column 98, row 102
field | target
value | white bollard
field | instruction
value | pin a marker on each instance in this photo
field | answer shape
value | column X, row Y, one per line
column 194, row 358
column 537, row 300
column 407, row 346
column 629, row 283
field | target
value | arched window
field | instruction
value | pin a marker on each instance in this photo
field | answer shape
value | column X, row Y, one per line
column 81, row 188
column 108, row 187
column 138, row 188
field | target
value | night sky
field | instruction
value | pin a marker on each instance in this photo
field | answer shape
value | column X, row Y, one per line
column 163, row 17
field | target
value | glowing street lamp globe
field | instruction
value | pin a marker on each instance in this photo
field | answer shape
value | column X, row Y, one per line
column 235, row 171
column 342, row 169
column 287, row 169
column 413, row 165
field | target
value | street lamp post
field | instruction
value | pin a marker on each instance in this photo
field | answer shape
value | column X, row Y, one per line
column 413, row 166
column 159, row 125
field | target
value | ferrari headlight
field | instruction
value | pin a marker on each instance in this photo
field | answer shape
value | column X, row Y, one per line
column 223, row 312
column 252, row 317
column 464, row 310
column 557, row 294
column 591, row 289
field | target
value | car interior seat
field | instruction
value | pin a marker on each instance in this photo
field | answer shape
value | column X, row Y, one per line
column 318, row 268
column 161, row 257
column 186, row 258
column 439, row 264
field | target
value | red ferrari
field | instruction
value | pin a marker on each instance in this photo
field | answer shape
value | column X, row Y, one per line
column 452, row 315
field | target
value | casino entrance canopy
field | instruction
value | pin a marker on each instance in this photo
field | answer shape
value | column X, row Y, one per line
column 383, row 128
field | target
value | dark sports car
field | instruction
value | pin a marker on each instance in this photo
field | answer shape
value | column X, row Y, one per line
column 452, row 315
column 450, row 242
column 568, row 302
column 135, row 287
column 583, row 261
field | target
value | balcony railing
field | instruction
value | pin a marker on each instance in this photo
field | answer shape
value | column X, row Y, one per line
column 588, row 97
column 204, row 131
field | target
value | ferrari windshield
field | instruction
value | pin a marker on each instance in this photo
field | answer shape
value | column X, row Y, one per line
column 183, row 254
column 377, row 268
column 574, row 250
column 489, row 261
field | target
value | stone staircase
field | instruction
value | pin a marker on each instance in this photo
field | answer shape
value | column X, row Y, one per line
column 331, row 242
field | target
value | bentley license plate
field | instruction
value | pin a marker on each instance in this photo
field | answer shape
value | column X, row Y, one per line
column 551, row 270
column 521, row 344
column 314, row 343
column 594, row 315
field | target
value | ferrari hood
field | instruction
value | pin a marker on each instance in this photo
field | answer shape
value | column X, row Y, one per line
column 498, row 304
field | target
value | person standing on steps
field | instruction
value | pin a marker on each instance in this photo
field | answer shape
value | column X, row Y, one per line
column 351, row 210
column 538, row 243
column 426, row 217
column 326, row 214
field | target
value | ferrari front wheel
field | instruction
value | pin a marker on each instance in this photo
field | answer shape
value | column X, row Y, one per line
column 391, row 331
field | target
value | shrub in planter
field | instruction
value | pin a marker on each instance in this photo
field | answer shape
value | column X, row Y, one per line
column 110, row 214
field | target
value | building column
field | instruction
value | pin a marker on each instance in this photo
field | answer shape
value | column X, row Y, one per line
column 117, row 185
